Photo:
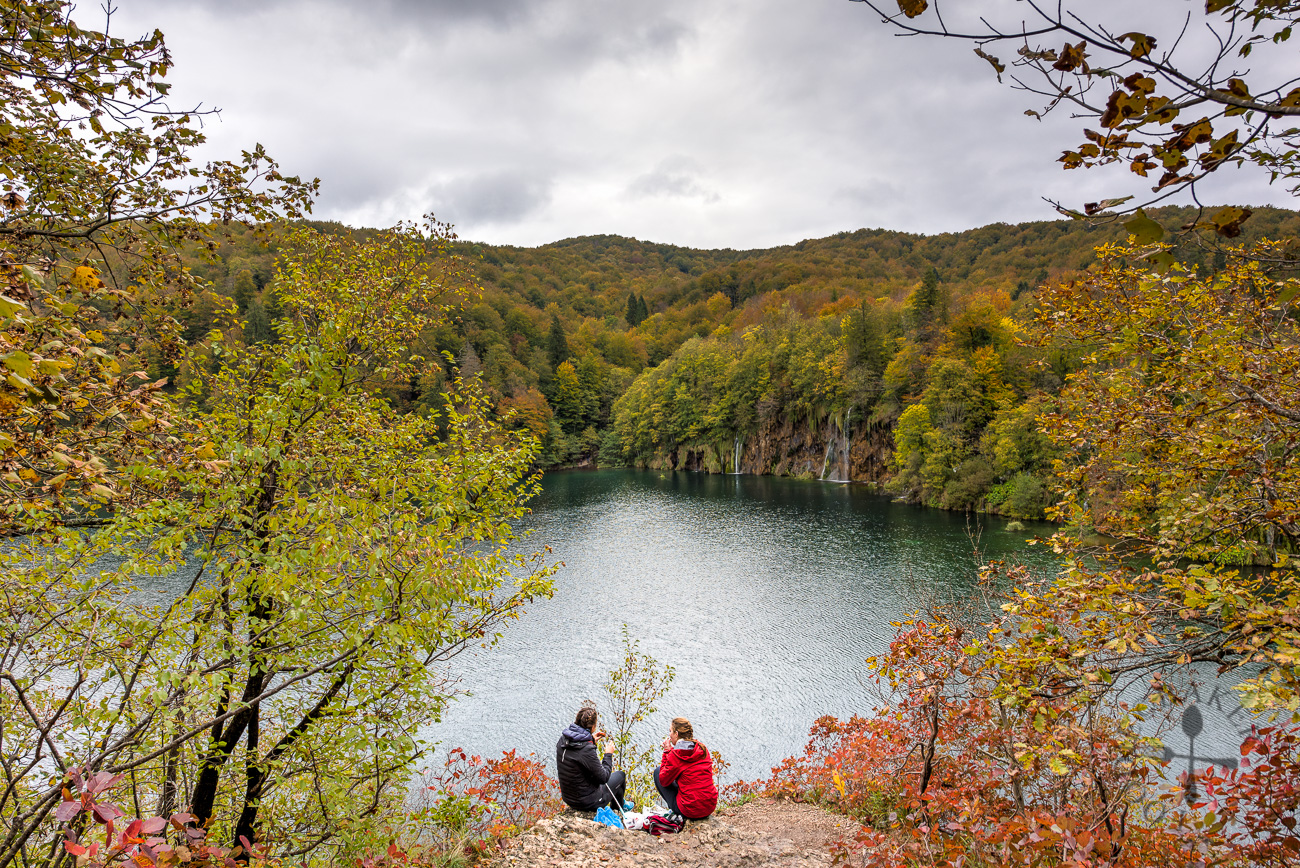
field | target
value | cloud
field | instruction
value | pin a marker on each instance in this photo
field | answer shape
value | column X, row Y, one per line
column 494, row 198
column 677, row 176
column 697, row 122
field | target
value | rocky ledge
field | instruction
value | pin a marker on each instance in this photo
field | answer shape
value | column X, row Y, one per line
column 761, row 833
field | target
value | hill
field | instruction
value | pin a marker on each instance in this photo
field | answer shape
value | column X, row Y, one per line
column 796, row 360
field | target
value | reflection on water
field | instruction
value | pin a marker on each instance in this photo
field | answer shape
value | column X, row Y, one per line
column 766, row 594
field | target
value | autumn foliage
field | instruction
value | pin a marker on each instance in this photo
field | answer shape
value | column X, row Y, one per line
column 466, row 807
column 1022, row 736
column 957, row 771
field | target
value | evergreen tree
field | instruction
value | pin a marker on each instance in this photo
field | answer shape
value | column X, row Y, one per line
column 924, row 305
column 557, row 345
column 643, row 312
column 864, row 340
column 633, row 315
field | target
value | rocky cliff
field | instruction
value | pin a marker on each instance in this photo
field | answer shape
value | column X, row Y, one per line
column 858, row 452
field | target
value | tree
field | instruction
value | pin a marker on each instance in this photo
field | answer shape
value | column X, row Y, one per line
column 1177, row 438
column 330, row 552
column 636, row 312
column 573, row 403
column 245, row 289
column 557, row 345
column 1167, row 104
column 634, row 689
column 925, row 305
column 99, row 192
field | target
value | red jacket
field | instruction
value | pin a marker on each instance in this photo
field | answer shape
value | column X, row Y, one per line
column 693, row 771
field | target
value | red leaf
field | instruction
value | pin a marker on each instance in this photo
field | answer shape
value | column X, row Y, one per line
column 153, row 825
column 105, row 813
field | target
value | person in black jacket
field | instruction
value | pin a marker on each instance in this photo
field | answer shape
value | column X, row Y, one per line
column 587, row 783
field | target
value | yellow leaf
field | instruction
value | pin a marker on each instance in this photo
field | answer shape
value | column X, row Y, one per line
column 86, row 279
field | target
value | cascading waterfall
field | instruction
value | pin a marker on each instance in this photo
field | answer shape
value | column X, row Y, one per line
column 830, row 445
column 837, row 435
column 847, row 475
column 736, row 449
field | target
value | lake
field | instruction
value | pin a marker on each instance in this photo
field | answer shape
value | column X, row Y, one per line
column 766, row 594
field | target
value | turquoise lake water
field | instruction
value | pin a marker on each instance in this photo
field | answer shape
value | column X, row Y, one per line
column 766, row 594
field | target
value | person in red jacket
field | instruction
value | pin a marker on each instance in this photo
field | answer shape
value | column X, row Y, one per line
column 684, row 778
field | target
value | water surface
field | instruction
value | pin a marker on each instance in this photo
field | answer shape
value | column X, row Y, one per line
column 766, row 594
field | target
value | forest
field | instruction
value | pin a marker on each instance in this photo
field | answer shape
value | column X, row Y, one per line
column 898, row 360
column 262, row 476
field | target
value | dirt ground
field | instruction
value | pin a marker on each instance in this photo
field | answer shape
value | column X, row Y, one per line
column 759, row 833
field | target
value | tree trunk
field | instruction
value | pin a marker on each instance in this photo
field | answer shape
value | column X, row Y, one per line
column 259, row 772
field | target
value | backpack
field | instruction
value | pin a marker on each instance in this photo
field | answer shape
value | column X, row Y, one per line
column 658, row 825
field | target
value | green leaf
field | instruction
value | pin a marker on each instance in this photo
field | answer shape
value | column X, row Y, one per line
column 9, row 307
column 1161, row 262
column 1286, row 295
column 18, row 362
column 1227, row 221
column 1143, row 229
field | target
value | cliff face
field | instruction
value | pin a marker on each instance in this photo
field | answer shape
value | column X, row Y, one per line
column 782, row 447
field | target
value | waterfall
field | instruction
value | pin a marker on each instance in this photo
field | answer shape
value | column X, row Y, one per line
column 848, row 459
column 830, row 445
column 736, row 449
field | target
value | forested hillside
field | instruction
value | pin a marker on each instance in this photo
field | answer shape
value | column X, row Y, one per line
column 872, row 356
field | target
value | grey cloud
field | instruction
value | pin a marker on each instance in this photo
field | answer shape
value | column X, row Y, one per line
column 675, row 176
column 492, row 198
column 381, row 12
column 525, row 121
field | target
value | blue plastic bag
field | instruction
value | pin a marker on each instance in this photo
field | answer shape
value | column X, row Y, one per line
column 607, row 816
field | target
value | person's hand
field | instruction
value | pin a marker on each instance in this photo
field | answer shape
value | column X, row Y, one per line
column 609, row 747
column 598, row 734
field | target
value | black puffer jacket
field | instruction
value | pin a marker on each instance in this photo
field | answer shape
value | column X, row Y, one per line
column 580, row 771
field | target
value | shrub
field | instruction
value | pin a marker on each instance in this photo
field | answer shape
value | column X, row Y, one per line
column 471, row 803
column 970, row 481
column 1027, row 497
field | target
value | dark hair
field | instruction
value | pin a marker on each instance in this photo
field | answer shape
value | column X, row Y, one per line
column 682, row 727
column 586, row 718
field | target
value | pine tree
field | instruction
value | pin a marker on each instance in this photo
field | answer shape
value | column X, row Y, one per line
column 633, row 311
column 557, row 345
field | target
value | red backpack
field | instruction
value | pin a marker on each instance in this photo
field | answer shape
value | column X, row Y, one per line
column 658, row 825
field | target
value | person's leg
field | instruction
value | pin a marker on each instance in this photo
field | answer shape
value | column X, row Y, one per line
column 667, row 792
column 618, row 784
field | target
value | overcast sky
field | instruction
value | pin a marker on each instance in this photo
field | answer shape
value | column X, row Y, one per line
column 706, row 123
